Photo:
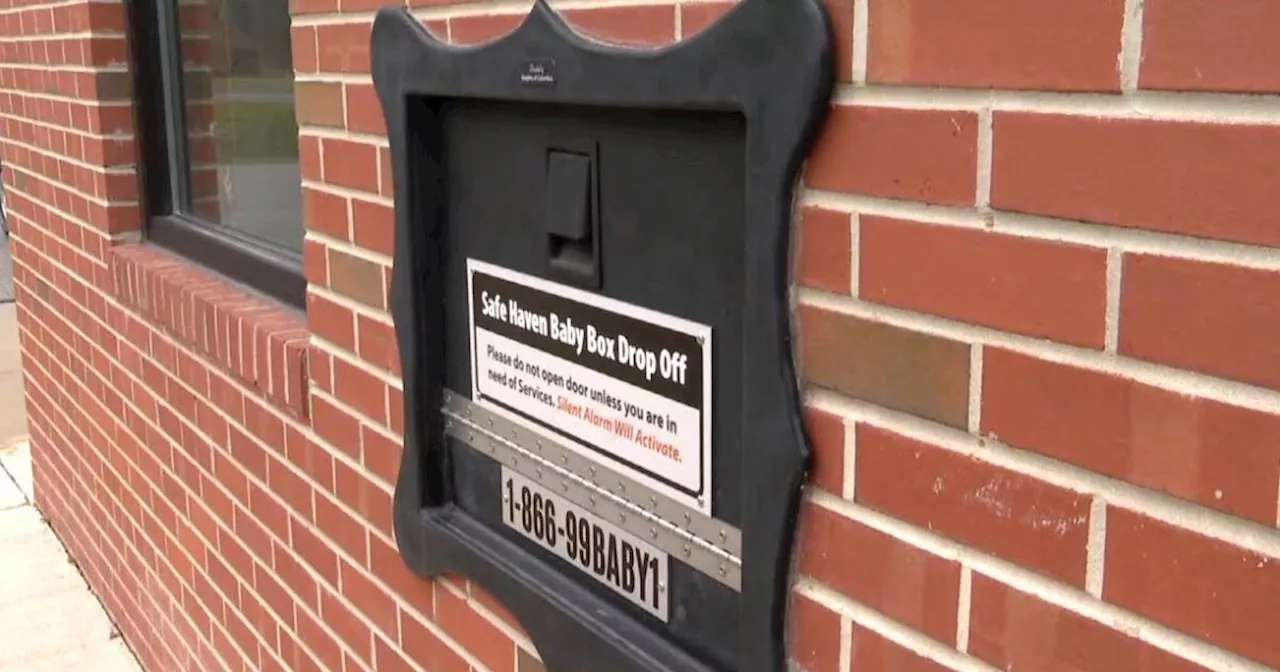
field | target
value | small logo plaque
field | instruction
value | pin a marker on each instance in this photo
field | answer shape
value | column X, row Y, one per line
column 538, row 72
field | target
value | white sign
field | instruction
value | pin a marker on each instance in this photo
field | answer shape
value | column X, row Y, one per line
column 623, row 385
column 631, row 567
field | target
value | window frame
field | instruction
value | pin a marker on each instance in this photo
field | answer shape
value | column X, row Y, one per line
column 154, row 44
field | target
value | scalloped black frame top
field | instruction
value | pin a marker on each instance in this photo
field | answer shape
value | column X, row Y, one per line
column 769, row 60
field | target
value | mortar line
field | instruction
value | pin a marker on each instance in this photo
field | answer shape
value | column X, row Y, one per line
column 975, row 389
column 1131, row 33
column 1095, row 548
column 1115, row 278
column 855, row 254
column 861, row 40
column 964, row 609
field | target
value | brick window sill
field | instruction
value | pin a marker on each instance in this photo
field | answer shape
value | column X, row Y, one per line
column 260, row 342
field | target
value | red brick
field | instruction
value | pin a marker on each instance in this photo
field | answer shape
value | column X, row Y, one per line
column 361, row 390
column 375, row 226
column 482, row 28
column 1016, row 631
column 1004, row 44
column 1010, row 515
column 364, row 110
column 427, row 650
column 1214, row 318
column 1208, row 180
column 389, row 659
column 326, row 213
column 344, row 47
column 362, row 5
column 918, row 155
column 312, row 6
column 815, row 639
column 1212, row 590
column 331, row 321
column 697, row 17
column 342, row 528
column 305, row 54
column 1220, row 456
column 386, row 563
column 869, row 652
column 486, row 600
column 378, row 344
column 826, row 250
column 315, row 263
column 1203, row 45
column 485, row 641
column 1032, row 287
column 347, row 624
column 318, row 641
column 309, row 163
column 381, row 455
column 351, row 164
column 892, row 577
column 386, row 181
column 640, row 25
column 826, row 439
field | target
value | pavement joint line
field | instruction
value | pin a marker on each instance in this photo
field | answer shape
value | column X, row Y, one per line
column 8, row 450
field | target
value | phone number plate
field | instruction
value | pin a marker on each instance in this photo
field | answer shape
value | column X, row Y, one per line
column 631, row 567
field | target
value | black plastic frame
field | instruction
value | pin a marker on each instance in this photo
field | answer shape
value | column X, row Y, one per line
column 262, row 267
column 770, row 60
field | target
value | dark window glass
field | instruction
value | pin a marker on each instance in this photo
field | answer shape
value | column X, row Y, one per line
column 241, row 167
column 213, row 89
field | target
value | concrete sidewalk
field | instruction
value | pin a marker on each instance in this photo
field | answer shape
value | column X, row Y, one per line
column 49, row 620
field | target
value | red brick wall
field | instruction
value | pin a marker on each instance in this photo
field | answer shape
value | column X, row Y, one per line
column 1037, row 296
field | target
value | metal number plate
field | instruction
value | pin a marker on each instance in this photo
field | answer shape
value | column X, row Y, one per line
column 632, row 568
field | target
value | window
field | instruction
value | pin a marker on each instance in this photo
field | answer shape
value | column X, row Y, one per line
column 214, row 91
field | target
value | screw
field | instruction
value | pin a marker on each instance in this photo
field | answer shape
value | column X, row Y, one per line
column 539, row 470
column 490, row 422
column 724, row 536
column 564, row 485
column 687, row 551
column 622, row 488
column 592, row 499
column 724, row 571
column 622, row 517
column 653, row 502
column 687, row 519
column 653, row 533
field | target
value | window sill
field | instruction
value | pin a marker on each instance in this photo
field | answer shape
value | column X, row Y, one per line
column 259, row 341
